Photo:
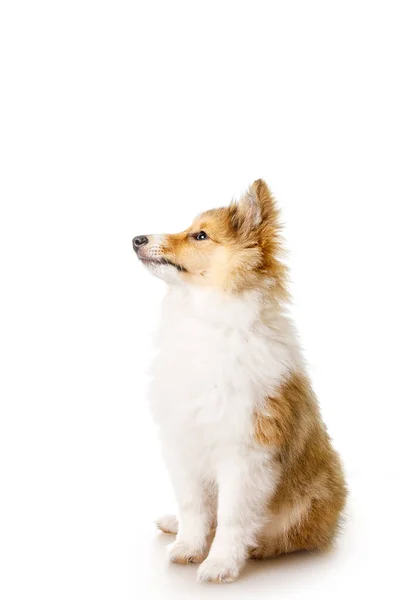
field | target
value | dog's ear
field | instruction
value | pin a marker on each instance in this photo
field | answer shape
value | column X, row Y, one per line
column 254, row 207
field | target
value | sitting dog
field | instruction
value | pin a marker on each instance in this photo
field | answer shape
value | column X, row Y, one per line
column 253, row 468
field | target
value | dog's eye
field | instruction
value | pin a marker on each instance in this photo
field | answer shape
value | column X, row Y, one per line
column 200, row 236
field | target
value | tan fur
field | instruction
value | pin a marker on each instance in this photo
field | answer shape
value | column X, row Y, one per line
column 312, row 476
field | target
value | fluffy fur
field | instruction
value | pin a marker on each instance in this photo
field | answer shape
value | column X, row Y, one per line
column 252, row 465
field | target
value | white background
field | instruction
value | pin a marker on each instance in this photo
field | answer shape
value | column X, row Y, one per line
column 122, row 118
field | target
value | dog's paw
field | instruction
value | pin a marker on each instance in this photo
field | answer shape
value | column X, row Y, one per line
column 167, row 524
column 263, row 552
column 257, row 553
column 183, row 553
column 218, row 571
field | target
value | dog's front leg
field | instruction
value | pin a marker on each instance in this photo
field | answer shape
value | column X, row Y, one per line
column 195, row 516
column 245, row 483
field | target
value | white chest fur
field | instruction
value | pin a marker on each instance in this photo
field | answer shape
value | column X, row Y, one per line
column 219, row 357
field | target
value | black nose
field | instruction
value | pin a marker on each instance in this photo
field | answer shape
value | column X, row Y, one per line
column 139, row 240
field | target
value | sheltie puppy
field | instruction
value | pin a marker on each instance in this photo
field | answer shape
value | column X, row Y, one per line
column 253, row 468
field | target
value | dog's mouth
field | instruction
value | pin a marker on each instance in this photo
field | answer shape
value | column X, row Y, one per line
column 162, row 261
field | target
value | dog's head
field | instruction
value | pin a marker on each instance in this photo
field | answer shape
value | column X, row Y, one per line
column 231, row 248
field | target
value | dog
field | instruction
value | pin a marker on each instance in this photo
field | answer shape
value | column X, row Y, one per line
column 252, row 464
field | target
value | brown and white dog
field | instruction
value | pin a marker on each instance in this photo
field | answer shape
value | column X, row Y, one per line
column 251, row 461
